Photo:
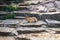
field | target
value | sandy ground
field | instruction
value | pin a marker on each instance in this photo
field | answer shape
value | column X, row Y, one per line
column 40, row 36
column 34, row 36
column 7, row 38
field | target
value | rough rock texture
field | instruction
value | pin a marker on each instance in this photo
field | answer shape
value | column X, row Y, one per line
column 47, row 16
column 52, row 4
